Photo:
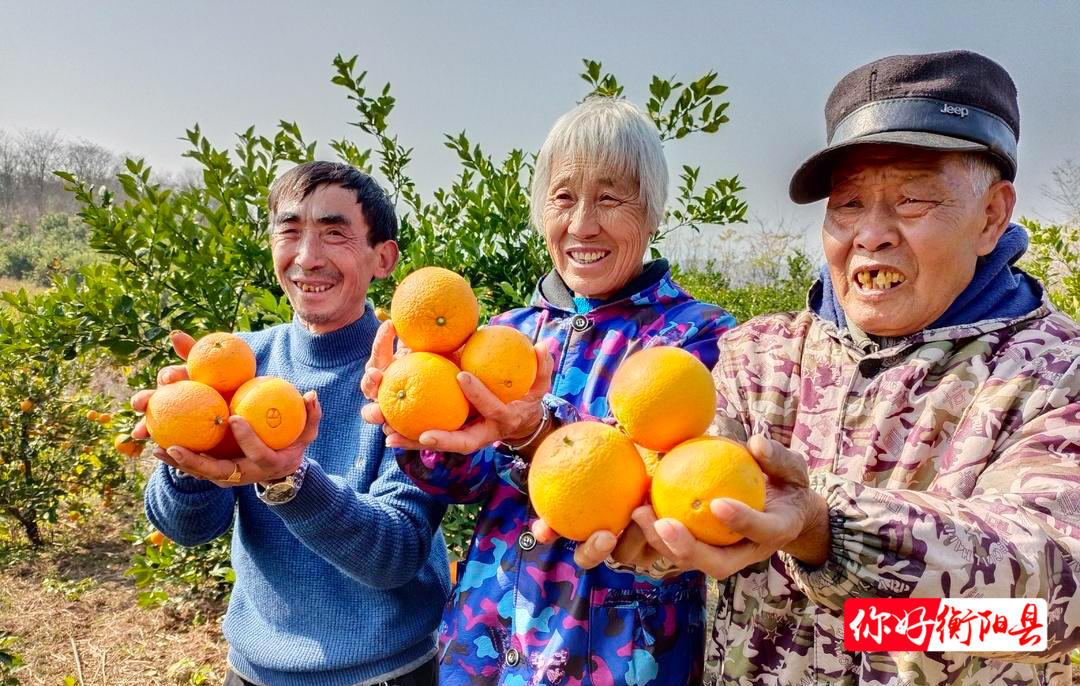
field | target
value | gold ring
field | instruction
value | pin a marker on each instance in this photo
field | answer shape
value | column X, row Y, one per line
column 235, row 476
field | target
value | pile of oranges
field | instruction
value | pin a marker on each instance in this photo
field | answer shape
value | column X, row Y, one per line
column 435, row 314
column 589, row 476
column 194, row 413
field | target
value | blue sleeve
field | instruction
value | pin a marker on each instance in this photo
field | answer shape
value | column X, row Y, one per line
column 190, row 511
column 380, row 538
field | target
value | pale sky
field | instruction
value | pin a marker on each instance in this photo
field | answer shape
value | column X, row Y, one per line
column 133, row 75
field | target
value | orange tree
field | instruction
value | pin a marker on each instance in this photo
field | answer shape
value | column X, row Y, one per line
column 197, row 258
column 52, row 456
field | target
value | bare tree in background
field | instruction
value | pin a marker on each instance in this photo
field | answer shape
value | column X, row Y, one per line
column 90, row 161
column 28, row 187
column 1064, row 190
column 39, row 155
column 9, row 170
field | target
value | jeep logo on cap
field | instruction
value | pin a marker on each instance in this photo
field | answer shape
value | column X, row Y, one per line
column 954, row 110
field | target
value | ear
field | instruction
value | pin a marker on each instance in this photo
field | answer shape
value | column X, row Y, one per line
column 387, row 253
column 998, row 204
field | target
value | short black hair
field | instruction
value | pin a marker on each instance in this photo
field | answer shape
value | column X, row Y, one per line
column 302, row 180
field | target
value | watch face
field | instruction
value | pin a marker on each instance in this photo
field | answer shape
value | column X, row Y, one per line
column 279, row 493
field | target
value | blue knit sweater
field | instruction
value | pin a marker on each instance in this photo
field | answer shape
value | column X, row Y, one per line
column 346, row 583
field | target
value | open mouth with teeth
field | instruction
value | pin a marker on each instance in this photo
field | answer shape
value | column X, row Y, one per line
column 313, row 287
column 879, row 279
column 586, row 257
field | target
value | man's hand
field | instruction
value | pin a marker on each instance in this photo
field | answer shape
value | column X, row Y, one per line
column 795, row 520
column 260, row 463
column 496, row 421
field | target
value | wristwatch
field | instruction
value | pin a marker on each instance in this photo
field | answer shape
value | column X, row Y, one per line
column 284, row 489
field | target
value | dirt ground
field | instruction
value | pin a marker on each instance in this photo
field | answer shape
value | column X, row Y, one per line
column 73, row 598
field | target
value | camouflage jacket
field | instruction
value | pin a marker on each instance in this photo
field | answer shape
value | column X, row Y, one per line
column 950, row 462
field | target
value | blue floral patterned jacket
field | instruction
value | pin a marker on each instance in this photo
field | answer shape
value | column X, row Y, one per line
column 523, row 612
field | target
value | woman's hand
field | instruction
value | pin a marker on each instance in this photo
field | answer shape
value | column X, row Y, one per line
column 497, row 421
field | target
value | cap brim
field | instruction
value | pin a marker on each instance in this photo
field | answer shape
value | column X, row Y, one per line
column 812, row 181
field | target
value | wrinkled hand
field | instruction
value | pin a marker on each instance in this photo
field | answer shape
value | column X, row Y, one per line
column 631, row 547
column 496, row 421
column 795, row 520
column 260, row 462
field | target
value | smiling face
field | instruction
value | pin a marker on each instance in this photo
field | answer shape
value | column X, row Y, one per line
column 594, row 226
column 902, row 233
column 322, row 257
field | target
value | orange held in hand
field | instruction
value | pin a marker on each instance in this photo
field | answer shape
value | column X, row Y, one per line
column 434, row 310
column 188, row 414
column 273, row 407
column 222, row 361
column 503, row 359
column 697, row 471
column 586, row 477
column 420, row 392
column 662, row 396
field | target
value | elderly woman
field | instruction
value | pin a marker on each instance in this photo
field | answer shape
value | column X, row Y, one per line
column 524, row 611
column 920, row 422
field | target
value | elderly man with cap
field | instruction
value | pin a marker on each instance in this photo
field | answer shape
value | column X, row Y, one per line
column 920, row 421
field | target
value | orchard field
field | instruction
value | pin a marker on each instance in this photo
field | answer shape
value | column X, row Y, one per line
column 101, row 260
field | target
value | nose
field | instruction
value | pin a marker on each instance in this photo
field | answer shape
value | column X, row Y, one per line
column 309, row 252
column 876, row 229
column 583, row 223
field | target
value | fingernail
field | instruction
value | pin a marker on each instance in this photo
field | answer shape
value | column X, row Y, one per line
column 664, row 529
column 310, row 395
column 427, row 440
column 721, row 509
column 174, row 333
column 606, row 540
column 167, row 377
column 174, row 453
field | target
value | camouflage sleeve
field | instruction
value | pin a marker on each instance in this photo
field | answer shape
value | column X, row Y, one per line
column 731, row 407
column 1016, row 536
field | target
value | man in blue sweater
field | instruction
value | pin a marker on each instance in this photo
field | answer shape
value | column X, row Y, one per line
column 341, row 570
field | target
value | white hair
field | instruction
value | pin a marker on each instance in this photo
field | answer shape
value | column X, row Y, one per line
column 981, row 171
column 614, row 134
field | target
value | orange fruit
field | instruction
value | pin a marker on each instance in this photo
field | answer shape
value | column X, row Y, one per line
column 586, row 477
column 651, row 459
column 92, row 415
column 222, row 361
column 434, row 310
column 273, row 407
column 420, row 392
column 26, row 405
column 662, row 396
column 503, row 359
column 381, row 314
column 104, row 418
column 228, row 448
column 699, row 470
column 157, row 538
column 188, row 414
column 126, row 445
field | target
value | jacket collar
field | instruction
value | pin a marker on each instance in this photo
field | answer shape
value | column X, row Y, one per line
column 653, row 285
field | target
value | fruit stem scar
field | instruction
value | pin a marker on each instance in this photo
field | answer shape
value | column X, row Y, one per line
column 696, row 505
column 441, row 321
column 401, row 395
